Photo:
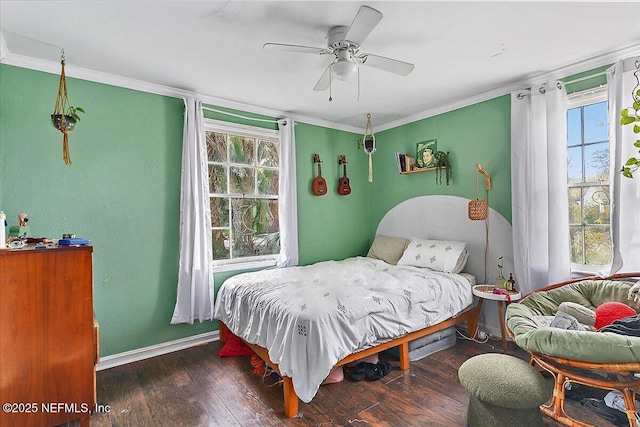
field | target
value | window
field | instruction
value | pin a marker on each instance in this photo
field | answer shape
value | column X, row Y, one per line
column 588, row 180
column 243, row 165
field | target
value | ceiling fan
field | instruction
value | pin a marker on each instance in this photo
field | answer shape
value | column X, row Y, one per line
column 344, row 43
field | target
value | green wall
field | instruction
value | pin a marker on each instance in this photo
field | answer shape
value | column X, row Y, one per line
column 123, row 193
column 331, row 226
column 123, row 189
column 479, row 133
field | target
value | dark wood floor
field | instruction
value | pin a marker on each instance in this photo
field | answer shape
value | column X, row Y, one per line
column 194, row 387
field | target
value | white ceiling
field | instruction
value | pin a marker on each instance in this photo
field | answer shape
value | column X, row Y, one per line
column 460, row 49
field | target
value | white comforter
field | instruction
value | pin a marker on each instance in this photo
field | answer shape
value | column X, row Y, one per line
column 311, row 317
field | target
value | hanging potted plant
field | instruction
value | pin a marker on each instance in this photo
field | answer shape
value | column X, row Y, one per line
column 443, row 165
column 65, row 116
column 66, row 122
column 631, row 115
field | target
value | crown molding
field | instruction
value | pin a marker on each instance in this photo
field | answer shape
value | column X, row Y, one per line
column 560, row 73
column 142, row 86
column 4, row 49
column 139, row 85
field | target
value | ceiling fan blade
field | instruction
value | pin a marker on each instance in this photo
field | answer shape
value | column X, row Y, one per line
column 325, row 79
column 294, row 48
column 365, row 21
column 386, row 64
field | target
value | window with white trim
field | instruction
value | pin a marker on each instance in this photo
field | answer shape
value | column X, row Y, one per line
column 588, row 179
column 243, row 164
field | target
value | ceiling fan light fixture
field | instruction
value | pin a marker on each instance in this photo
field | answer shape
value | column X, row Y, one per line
column 344, row 69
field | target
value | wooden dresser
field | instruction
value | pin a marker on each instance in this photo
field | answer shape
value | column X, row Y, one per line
column 48, row 336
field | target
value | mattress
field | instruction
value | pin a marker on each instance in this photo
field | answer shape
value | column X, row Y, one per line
column 309, row 318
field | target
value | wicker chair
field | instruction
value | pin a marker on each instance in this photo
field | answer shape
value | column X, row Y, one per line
column 604, row 360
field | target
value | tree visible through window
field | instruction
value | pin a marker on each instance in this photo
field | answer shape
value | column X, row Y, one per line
column 588, row 183
column 243, row 192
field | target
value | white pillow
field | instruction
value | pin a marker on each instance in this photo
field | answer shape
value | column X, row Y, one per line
column 462, row 261
column 439, row 255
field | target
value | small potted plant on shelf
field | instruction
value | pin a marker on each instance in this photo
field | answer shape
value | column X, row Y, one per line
column 442, row 163
column 66, row 122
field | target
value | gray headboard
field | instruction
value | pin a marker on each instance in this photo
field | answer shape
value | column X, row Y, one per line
column 445, row 218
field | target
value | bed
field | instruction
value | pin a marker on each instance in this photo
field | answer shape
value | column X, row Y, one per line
column 367, row 304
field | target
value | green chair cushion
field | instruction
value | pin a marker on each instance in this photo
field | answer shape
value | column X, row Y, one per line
column 504, row 381
column 586, row 346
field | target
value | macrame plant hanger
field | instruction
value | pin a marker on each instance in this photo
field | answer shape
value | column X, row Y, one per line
column 369, row 145
column 60, row 120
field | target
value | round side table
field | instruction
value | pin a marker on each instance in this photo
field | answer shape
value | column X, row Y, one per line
column 484, row 292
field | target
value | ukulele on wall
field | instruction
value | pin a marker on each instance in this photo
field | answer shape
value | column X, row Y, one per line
column 318, row 185
column 343, row 183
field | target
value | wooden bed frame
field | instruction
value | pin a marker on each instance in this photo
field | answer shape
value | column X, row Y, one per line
column 447, row 221
column 291, row 398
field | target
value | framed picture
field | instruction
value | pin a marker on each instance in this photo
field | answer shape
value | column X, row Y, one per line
column 424, row 153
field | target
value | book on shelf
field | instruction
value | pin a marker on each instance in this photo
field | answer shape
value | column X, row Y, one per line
column 409, row 163
column 400, row 160
column 405, row 162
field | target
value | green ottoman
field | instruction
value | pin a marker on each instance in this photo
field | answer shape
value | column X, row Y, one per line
column 505, row 391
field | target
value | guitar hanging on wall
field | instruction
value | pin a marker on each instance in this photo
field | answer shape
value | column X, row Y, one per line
column 343, row 183
column 318, row 185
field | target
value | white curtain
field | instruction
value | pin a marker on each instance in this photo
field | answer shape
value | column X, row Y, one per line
column 288, row 200
column 540, row 212
column 195, row 278
column 624, row 192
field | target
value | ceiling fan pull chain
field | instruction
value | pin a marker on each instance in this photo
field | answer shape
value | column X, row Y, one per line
column 358, row 84
column 330, row 71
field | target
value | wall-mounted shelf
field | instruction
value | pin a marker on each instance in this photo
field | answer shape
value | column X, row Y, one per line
column 421, row 170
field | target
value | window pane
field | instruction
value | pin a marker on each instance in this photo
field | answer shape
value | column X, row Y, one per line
column 596, row 205
column 245, row 167
column 596, row 123
column 596, row 162
column 242, row 180
column 241, row 150
column 268, row 181
column 216, row 147
column 267, row 239
column 588, row 163
column 219, row 211
column 255, row 227
column 220, row 240
column 575, row 206
column 268, row 153
column 598, row 245
column 217, row 179
column 574, row 164
column 574, row 127
column 575, row 236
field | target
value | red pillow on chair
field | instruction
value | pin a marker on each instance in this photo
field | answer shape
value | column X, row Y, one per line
column 609, row 311
column 234, row 346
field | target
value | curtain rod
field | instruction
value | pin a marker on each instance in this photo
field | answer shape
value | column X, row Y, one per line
column 568, row 82
column 238, row 115
column 592, row 76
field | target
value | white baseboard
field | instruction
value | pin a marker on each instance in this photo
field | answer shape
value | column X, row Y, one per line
column 155, row 350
